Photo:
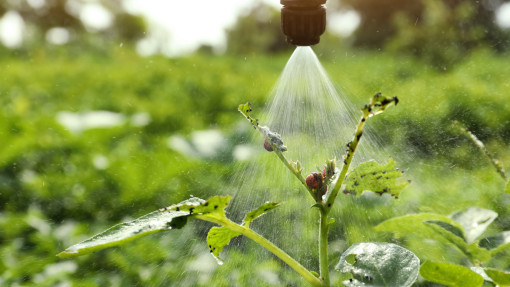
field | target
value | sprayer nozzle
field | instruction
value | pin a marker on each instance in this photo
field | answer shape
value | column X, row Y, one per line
column 303, row 21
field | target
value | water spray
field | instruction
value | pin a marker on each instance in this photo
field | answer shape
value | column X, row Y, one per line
column 303, row 21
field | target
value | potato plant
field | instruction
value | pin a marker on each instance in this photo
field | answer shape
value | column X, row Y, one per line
column 363, row 264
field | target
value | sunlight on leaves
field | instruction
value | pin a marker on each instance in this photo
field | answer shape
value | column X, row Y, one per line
column 474, row 220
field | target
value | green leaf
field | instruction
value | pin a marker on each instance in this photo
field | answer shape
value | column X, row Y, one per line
column 375, row 177
column 471, row 250
column 379, row 264
column 496, row 243
column 252, row 215
column 499, row 277
column 219, row 237
column 245, row 109
column 507, row 187
column 172, row 217
column 415, row 224
column 448, row 227
column 474, row 220
column 450, row 274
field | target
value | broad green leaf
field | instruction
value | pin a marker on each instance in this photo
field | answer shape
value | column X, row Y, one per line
column 450, row 274
column 499, row 277
column 375, row 177
column 507, row 187
column 252, row 215
column 448, row 227
column 496, row 243
column 472, row 250
column 172, row 217
column 218, row 237
column 379, row 264
column 474, row 220
column 414, row 224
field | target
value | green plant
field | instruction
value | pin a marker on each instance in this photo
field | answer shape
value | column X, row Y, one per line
column 460, row 230
column 367, row 264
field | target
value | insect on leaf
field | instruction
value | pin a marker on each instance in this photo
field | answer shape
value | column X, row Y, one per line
column 375, row 177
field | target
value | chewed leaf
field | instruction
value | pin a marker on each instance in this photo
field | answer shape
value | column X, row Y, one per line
column 219, row 237
column 172, row 217
column 450, row 274
column 378, row 264
column 474, row 220
column 252, row 215
column 245, row 109
column 375, row 177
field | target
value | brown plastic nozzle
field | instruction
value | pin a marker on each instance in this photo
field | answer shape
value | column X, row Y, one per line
column 303, row 21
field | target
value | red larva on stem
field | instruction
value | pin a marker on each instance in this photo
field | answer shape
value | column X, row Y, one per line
column 311, row 180
column 268, row 146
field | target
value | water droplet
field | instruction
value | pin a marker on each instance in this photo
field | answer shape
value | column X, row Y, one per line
column 218, row 260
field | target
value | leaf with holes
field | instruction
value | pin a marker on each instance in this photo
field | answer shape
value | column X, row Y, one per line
column 450, row 275
column 172, row 217
column 474, row 220
column 375, row 177
column 378, row 264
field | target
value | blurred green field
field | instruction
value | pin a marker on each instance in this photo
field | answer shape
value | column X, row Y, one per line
column 58, row 187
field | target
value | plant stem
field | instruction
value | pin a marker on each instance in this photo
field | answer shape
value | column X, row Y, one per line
column 330, row 198
column 496, row 163
column 296, row 173
column 300, row 269
column 323, row 247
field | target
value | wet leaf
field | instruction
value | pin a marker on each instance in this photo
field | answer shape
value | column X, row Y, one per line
column 254, row 214
column 219, row 237
column 496, row 243
column 499, row 277
column 472, row 250
column 448, row 227
column 474, row 220
column 375, row 177
column 172, row 217
column 450, row 274
column 379, row 264
column 415, row 224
